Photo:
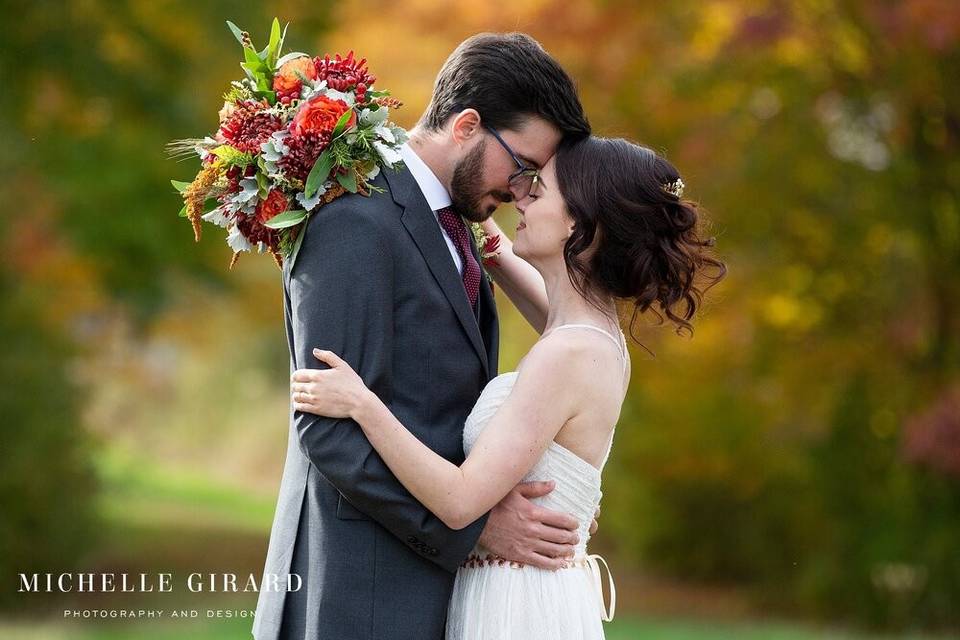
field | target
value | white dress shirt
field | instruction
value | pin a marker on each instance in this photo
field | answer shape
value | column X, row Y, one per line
column 433, row 191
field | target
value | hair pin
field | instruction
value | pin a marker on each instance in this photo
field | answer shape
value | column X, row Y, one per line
column 675, row 187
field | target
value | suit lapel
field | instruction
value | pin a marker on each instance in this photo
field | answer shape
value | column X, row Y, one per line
column 421, row 223
column 487, row 310
column 487, row 315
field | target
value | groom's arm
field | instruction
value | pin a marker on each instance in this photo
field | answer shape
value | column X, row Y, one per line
column 341, row 299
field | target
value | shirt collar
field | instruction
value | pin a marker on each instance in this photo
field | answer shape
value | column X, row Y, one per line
column 433, row 190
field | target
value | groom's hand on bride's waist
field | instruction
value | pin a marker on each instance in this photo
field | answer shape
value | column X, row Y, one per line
column 522, row 531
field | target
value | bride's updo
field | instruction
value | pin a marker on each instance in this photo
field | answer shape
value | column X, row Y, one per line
column 635, row 237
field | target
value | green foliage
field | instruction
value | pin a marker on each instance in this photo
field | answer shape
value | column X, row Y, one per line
column 231, row 156
column 348, row 180
column 319, row 173
column 769, row 451
column 47, row 484
column 286, row 219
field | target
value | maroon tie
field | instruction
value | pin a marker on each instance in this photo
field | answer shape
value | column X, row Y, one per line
column 453, row 224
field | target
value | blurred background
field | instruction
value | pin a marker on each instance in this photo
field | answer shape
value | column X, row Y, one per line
column 792, row 471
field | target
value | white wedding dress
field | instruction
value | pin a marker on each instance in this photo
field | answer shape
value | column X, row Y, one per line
column 494, row 599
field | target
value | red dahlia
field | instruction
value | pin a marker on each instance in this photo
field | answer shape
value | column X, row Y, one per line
column 344, row 73
column 304, row 151
column 248, row 127
column 254, row 231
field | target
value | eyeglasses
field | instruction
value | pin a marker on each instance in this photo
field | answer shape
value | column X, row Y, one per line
column 524, row 179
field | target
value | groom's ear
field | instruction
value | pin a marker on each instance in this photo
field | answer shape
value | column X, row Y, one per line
column 466, row 126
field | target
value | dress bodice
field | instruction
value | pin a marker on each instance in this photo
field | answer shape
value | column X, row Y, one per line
column 577, row 489
column 529, row 602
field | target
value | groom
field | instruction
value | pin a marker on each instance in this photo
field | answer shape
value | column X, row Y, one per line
column 392, row 283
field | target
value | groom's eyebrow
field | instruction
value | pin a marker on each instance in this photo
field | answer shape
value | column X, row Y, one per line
column 530, row 161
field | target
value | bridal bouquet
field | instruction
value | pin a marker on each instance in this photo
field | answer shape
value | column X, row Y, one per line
column 295, row 133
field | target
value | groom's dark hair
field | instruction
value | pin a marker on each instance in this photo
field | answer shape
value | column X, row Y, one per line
column 506, row 77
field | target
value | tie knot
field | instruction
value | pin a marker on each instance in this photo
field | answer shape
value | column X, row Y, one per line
column 450, row 220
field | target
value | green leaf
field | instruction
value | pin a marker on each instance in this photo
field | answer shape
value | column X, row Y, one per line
column 179, row 185
column 342, row 122
column 348, row 180
column 280, row 45
column 274, row 33
column 271, row 96
column 274, row 47
column 263, row 186
column 296, row 246
column 286, row 219
column 183, row 212
column 237, row 32
column 253, row 61
column 318, row 174
column 232, row 155
column 251, row 75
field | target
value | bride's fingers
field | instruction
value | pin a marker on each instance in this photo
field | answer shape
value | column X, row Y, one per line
column 303, row 407
column 302, row 387
column 328, row 357
column 304, row 375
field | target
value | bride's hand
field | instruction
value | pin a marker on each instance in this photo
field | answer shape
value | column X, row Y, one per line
column 336, row 392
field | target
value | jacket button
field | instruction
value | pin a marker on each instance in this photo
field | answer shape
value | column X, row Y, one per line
column 433, row 551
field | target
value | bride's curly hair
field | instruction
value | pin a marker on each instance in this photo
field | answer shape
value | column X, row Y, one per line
column 634, row 237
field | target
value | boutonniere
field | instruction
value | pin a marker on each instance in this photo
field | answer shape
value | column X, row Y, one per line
column 488, row 246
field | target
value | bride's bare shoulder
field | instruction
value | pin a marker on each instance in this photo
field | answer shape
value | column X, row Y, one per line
column 573, row 356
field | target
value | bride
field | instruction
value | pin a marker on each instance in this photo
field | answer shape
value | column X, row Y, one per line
column 605, row 222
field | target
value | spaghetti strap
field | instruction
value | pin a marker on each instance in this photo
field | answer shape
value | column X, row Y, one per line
column 621, row 348
column 621, row 343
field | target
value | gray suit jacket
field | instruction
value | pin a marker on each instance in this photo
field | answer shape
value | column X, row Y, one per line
column 375, row 283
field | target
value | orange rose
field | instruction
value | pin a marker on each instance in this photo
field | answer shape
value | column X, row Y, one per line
column 274, row 205
column 287, row 82
column 319, row 116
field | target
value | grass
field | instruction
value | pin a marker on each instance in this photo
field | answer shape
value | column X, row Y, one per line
column 180, row 522
column 143, row 494
column 620, row 629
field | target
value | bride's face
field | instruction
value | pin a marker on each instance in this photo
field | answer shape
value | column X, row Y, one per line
column 545, row 224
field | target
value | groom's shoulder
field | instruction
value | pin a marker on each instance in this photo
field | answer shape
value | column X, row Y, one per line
column 377, row 208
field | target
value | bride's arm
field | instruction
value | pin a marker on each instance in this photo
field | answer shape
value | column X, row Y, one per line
column 545, row 396
column 522, row 283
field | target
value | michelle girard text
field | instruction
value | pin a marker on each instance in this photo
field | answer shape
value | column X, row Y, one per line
column 154, row 582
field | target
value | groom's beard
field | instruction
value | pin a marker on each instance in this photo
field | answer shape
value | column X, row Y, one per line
column 466, row 187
